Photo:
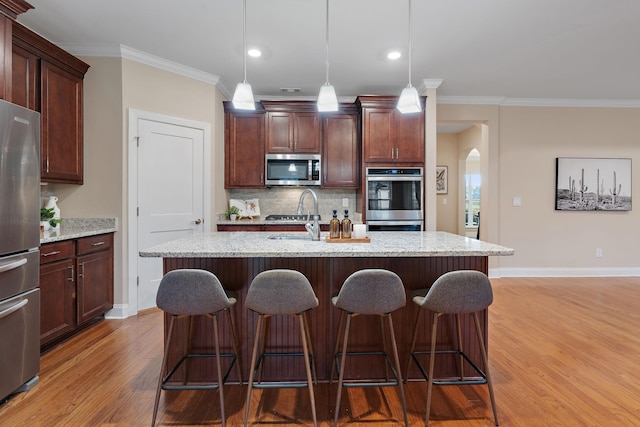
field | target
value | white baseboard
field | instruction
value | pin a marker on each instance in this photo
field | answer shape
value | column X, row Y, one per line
column 119, row 311
column 564, row 272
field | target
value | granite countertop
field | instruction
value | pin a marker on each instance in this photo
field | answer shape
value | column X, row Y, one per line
column 74, row 228
column 383, row 244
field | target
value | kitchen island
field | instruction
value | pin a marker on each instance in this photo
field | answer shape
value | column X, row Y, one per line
column 417, row 257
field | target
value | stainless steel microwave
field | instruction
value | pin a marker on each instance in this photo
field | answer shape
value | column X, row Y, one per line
column 292, row 169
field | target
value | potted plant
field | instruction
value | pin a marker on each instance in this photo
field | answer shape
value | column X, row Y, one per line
column 47, row 220
column 232, row 212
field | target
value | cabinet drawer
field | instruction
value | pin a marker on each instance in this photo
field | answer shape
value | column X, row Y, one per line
column 50, row 252
column 101, row 242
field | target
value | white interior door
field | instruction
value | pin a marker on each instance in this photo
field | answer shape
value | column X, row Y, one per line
column 170, row 194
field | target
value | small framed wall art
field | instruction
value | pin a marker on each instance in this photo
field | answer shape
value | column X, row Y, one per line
column 593, row 184
column 441, row 179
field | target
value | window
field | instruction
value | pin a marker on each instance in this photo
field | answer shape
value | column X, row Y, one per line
column 472, row 199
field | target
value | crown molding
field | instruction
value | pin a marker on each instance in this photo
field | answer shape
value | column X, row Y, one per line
column 125, row 52
column 539, row 102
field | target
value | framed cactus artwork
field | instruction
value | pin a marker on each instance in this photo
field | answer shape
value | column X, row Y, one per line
column 593, row 184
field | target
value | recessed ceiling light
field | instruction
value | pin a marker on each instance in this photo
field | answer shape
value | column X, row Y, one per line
column 394, row 55
column 254, row 53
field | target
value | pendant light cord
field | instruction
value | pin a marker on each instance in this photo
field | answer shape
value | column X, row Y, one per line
column 410, row 51
column 244, row 39
column 327, row 42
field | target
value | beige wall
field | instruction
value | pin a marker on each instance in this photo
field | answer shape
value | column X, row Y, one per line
column 447, row 155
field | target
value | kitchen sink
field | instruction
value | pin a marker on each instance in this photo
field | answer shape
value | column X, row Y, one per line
column 290, row 236
column 290, row 217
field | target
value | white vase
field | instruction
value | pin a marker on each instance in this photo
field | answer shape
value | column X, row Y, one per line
column 52, row 203
column 233, row 217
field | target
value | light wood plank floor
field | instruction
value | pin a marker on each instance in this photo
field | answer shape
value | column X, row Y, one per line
column 563, row 352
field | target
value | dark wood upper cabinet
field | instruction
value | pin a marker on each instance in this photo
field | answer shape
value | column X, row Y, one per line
column 292, row 127
column 244, row 147
column 388, row 135
column 340, row 149
column 48, row 79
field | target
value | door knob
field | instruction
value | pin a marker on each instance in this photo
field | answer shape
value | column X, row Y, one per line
column 198, row 221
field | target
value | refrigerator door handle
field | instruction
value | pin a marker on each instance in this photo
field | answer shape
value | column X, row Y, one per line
column 13, row 308
column 12, row 265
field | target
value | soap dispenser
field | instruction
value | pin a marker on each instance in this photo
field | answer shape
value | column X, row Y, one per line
column 334, row 226
column 346, row 225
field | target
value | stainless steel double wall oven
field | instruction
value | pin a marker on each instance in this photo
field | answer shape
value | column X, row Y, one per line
column 394, row 199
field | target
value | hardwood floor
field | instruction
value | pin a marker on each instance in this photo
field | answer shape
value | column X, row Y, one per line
column 563, row 352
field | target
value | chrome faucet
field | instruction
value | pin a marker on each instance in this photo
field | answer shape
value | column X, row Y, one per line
column 314, row 229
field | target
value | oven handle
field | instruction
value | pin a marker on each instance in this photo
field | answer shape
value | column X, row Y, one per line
column 395, row 178
column 13, row 308
column 12, row 265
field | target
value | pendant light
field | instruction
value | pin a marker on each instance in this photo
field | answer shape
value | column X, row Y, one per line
column 243, row 96
column 409, row 101
column 327, row 100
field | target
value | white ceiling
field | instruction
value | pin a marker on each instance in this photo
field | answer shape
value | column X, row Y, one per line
column 584, row 50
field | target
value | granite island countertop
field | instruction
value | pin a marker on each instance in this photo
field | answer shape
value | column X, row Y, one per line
column 74, row 228
column 382, row 244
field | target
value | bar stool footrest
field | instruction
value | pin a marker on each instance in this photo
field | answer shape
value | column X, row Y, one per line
column 451, row 381
column 283, row 384
column 366, row 383
column 193, row 386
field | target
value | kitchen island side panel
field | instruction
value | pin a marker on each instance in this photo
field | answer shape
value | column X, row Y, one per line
column 326, row 276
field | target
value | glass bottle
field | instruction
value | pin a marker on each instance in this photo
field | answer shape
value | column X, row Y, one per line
column 346, row 225
column 334, row 226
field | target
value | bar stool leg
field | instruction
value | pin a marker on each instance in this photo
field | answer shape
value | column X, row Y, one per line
column 162, row 368
column 333, row 361
column 485, row 360
column 234, row 341
column 216, row 340
column 307, row 364
column 384, row 347
column 459, row 346
column 413, row 344
column 310, row 344
column 432, row 357
column 265, row 331
column 341, row 373
column 396, row 361
column 254, row 356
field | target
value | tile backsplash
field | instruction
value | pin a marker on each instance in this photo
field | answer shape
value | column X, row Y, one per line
column 284, row 200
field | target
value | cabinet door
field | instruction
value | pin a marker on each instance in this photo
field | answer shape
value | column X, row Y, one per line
column 340, row 151
column 378, row 135
column 95, row 285
column 61, row 108
column 409, row 137
column 306, row 133
column 279, row 132
column 57, row 299
column 25, row 83
column 244, row 150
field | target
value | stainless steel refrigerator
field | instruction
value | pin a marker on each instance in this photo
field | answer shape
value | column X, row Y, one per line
column 19, row 248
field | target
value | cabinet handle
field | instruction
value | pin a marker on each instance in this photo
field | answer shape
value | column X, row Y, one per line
column 198, row 221
column 81, row 270
column 97, row 244
column 47, row 164
column 72, row 274
column 397, row 155
column 51, row 253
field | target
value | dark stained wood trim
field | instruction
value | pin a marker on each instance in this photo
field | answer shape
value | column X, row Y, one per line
column 13, row 8
column 48, row 51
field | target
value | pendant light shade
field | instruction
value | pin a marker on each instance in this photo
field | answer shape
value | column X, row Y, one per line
column 327, row 99
column 409, row 101
column 243, row 96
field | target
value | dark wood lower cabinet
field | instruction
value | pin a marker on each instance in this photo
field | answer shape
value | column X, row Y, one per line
column 57, row 300
column 76, row 285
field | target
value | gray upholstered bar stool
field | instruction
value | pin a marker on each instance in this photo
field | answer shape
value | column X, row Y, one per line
column 455, row 292
column 369, row 292
column 280, row 292
column 189, row 293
